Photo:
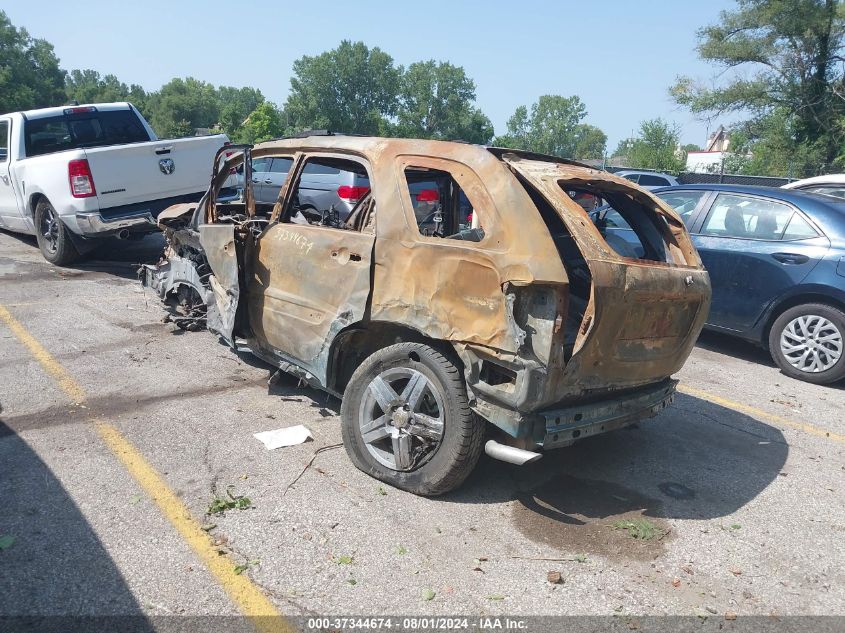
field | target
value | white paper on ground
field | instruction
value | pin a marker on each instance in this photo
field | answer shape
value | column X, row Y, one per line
column 287, row 436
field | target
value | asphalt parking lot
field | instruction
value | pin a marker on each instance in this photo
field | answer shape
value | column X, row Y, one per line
column 113, row 423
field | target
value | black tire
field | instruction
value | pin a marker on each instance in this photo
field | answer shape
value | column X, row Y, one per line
column 834, row 324
column 441, row 469
column 53, row 236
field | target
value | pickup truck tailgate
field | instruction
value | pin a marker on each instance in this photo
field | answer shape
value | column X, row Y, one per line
column 153, row 170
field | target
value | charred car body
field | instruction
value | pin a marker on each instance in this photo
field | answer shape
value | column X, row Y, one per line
column 465, row 285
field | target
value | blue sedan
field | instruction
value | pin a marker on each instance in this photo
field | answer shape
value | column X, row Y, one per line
column 776, row 259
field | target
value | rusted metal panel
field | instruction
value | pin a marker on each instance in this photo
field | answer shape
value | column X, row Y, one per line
column 218, row 242
column 505, row 304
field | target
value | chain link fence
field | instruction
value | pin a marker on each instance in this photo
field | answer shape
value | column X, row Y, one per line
column 694, row 178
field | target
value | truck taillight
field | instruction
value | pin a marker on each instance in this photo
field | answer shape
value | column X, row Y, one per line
column 351, row 194
column 81, row 180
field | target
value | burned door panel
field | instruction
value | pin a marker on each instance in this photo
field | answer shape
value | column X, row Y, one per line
column 218, row 242
column 308, row 283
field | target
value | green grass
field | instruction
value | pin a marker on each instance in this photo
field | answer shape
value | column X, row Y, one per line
column 641, row 529
column 219, row 505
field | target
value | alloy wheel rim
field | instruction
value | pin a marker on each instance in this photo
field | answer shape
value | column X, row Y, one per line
column 50, row 229
column 401, row 418
column 811, row 343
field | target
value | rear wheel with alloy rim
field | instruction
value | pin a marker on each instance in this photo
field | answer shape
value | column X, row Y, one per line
column 406, row 420
column 53, row 236
column 808, row 342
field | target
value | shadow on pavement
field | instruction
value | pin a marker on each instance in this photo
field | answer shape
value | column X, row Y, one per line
column 697, row 460
column 56, row 565
column 120, row 258
column 733, row 346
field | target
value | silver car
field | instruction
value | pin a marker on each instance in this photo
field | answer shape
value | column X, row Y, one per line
column 648, row 179
column 324, row 187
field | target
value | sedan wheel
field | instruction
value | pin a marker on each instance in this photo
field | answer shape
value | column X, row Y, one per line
column 811, row 343
column 808, row 343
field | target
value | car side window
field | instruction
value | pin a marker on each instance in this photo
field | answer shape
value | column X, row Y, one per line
column 798, row 229
column 4, row 141
column 441, row 207
column 740, row 216
column 340, row 198
column 647, row 180
column 261, row 164
column 632, row 177
column 280, row 165
column 684, row 202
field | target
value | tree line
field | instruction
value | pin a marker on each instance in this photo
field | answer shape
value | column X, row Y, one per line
column 352, row 88
column 781, row 76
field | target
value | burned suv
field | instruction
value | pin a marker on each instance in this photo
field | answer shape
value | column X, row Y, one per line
column 465, row 287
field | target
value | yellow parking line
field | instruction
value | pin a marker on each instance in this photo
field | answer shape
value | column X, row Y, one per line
column 244, row 593
column 50, row 364
column 754, row 412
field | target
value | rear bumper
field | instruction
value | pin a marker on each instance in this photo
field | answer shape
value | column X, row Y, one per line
column 94, row 224
column 138, row 217
column 561, row 427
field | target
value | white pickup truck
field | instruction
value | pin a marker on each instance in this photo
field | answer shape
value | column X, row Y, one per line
column 73, row 175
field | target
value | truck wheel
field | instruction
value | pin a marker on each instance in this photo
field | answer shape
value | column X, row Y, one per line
column 406, row 421
column 807, row 343
column 53, row 236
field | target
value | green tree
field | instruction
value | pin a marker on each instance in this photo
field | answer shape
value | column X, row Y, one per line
column 350, row 89
column 656, row 147
column 553, row 127
column 262, row 124
column 183, row 100
column 436, row 100
column 30, row 76
column 235, row 105
column 590, row 142
column 87, row 86
column 786, row 61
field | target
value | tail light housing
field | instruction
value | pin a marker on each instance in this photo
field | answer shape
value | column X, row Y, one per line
column 80, row 178
column 351, row 194
column 428, row 195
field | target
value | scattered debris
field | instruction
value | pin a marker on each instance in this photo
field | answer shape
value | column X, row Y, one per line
column 711, row 609
column 676, row 582
column 135, row 499
column 343, row 560
column 401, row 551
column 308, row 464
column 208, row 527
column 6, row 541
column 352, row 581
column 428, row 594
column 288, row 436
column 735, row 571
column 496, row 596
column 730, row 615
column 555, row 578
column 219, row 505
column 381, row 491
column 239, row 569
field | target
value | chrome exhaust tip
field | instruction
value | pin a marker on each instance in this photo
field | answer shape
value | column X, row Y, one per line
column 510, row 454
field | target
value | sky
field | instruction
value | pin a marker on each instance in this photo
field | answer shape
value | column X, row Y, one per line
column 619, row 57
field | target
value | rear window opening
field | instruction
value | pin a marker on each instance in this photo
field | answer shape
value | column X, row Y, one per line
column 631, row 228
column 577, row 270
column 441, row 208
